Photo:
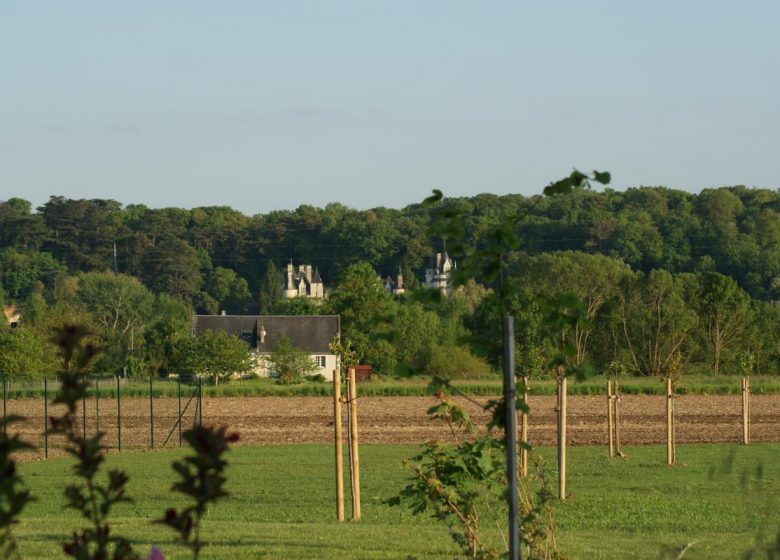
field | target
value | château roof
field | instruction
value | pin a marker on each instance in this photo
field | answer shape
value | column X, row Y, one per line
column 310, row 333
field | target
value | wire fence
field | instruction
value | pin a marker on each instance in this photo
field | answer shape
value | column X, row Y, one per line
column 131, row 414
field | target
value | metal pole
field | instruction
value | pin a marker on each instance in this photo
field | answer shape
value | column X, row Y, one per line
column 118, row 416
column 97, row 404
column 200, row 401
column 524, row 432
column 151, row 413
column 5, row 406
column 178, row 390
column 510, row 435
column 45, row 418
column 84, row 414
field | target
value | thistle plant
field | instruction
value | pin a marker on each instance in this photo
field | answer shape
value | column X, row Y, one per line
column 94, row 499
column 465, row 483
column 202, row 478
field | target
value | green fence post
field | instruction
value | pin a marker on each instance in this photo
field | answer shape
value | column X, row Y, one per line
column 84, row 414
column 45, row 418
column 97, row 404
column 5, row 405
column 118, row 416
column 178, row 388
column 200, row 401
column 151, row 412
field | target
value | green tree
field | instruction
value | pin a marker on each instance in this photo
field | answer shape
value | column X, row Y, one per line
column 120, row 307
column 168, row 325
column 300, row 305
column 289, row 363
column 24, row 354
column 270, row 289
column 656, row 318
column 724, row 311
column 230, row 291
column 364, row 305
column 595, row 279
column 172, row 266
column 218, row 355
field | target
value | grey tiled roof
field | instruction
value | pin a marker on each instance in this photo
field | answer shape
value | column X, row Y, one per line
column 310, row 333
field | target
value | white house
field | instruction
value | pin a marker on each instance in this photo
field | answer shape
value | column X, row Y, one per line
column 437, row 273
column 301, row 282
column 395, row 287
column 310, row 333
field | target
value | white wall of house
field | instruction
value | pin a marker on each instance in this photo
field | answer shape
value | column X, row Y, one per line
column 325, row 365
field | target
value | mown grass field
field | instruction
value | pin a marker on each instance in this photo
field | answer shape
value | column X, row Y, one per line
column 725, row 498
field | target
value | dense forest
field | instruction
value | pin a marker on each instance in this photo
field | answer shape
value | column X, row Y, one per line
column 665, row 274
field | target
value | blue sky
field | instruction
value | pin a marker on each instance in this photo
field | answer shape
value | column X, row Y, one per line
column 264, row 105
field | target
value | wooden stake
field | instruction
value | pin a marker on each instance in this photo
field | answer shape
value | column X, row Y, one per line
column 337, row 429
column 669, row 423
column 524, row 432
column 610, row 419
column 745, row 410
column 618, row 452
column 353, row 426
column 562, row 390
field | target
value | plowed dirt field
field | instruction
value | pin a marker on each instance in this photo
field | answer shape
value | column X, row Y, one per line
column 698, row 419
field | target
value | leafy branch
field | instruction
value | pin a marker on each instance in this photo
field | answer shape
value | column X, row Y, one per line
column 202, row 478
column 13, row 497
column 90, row 497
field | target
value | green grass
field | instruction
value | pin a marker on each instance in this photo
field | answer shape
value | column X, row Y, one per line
column 264, row 387
column 723, row 497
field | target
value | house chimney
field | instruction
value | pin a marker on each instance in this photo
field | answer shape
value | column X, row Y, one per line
column 223, row 313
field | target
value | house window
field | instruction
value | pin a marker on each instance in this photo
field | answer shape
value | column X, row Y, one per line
column 246, row 336
column 320, row 361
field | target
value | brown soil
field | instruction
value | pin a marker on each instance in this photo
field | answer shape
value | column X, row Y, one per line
column 698, row 419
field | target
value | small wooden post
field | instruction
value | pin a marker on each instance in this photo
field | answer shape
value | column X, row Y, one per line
column 746, row 410
column 669, row 423
column 97, row 404
column 178, row 402
column 337, row 429
column 353, row 426
column 5, row 406
column 616, row 395
column 524, row 432
column 562, row 390
column 118, row 416
column 151, row 413
column 199, row 410
column 610, row 419
column 45, row 418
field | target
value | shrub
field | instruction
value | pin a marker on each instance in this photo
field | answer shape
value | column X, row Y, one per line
column 454, row 362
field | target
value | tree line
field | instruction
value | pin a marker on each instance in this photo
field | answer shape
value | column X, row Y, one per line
column 664, row 274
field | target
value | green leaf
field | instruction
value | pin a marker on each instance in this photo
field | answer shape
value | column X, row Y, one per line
column 602, row 177
column 434, row 198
